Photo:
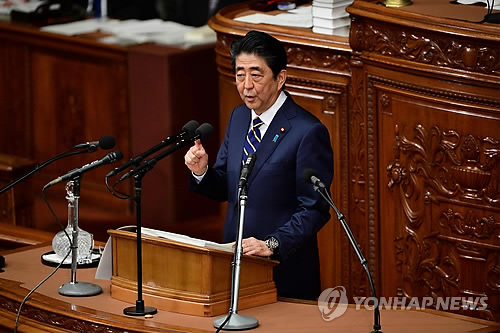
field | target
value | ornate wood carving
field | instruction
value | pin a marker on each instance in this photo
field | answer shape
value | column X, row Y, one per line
column 426, row 47
column 428, row 271
column 317, row 58
column 438, row 93
column 469, row 225
column 372, row 175
column 445, row 168
column 302, row 57
column 358, row 203
column 453, row 165
column 58, row 321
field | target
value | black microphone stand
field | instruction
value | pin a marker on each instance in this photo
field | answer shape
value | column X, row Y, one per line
column 41, row 166
column 233, row 320
column 362, row 260
column 139, row 309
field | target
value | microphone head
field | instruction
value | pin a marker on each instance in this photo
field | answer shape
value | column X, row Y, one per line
column 115, row 156
column 107, row 142
column 204, row 131
column 191, row 126
column 250, row 161
column 308, row 173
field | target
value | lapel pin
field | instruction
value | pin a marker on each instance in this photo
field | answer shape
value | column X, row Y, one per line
column 276, row 138
column 282, row 130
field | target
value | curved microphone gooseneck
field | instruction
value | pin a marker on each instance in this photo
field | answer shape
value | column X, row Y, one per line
column 311, row 176
column 106, row 142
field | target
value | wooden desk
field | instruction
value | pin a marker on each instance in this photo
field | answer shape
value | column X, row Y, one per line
column 47, row 311
column 57, row 91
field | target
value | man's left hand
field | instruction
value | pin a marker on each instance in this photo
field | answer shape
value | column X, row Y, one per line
column 253, row 246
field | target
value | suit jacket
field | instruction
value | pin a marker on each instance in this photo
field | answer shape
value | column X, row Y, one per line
column 280, row 203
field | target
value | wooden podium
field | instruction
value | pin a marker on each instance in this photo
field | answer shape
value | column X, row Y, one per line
column 185, row 278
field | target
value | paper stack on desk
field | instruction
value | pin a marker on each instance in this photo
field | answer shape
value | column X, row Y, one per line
column 129, row 32
column 330, row 17
column 300, row 17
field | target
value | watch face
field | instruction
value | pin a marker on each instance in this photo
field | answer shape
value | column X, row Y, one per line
column 272, row 243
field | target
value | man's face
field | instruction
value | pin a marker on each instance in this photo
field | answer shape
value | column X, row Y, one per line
column 256, row 85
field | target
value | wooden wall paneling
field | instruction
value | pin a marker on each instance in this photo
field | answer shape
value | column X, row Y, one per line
column 77, row 98
column 16, row 204
column 14, row 115
column 430, row 99
column 169, row 87
column 362, row 191
column 443, row 178
column 72, row 90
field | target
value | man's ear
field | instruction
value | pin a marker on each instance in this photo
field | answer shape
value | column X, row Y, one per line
column 281, row 78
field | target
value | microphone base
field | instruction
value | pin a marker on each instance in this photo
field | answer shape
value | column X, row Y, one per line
column 237, row 322
column 79, row 289
column 140, row 310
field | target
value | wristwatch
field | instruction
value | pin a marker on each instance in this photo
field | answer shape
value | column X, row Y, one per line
column 273, row 244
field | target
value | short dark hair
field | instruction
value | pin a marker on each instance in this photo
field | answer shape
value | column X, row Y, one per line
column 263, row 45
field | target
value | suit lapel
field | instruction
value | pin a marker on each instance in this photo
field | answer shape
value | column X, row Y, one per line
column 273, row 136
column 238, row 134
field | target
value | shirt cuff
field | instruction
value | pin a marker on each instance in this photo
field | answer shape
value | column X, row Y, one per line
column 199, row 178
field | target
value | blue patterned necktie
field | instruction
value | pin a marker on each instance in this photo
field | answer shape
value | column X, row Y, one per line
column 253, row 139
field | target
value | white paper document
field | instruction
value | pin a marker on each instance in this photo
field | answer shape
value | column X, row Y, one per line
column 129, row 32
column 187, row 240
column 105, row 268
column 300, row 17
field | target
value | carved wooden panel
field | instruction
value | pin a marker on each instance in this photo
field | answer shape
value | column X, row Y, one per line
column 425, row 121
column 359, row 202
column 442, row 174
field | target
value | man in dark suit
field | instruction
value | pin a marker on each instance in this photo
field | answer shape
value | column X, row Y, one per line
column 283, row 213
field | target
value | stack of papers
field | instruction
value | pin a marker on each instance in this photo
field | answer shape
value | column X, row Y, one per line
column 330, row 17
column 186, row 239
column 300, row 17
column 129, row 32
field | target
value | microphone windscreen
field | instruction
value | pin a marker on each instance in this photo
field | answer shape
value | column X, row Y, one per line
column 204, row 131
column 308, row 173
column 117, row 155
column 107, row 142
column 191, row 126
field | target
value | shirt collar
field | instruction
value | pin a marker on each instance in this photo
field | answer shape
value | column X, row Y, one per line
column 268, row 115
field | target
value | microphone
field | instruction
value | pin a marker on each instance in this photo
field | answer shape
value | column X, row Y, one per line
column 106, row 142
column 188, row 129
column 202, row 132
column 247, row 169
column 311, row 176
column 109, row 158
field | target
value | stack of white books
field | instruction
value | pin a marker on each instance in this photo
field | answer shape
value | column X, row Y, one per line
column 330, row 17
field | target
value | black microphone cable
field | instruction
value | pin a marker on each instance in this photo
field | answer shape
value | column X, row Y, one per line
column 55, row 269
column 116, row 193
